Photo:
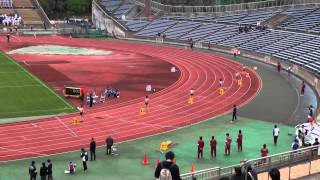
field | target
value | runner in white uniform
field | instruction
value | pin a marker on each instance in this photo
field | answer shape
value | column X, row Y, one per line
column 191, row 92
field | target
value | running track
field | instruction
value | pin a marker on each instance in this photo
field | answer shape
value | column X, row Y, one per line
column 168, row 109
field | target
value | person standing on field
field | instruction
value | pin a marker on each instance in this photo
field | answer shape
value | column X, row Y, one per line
column 200, row 148
column 239, row 141
column 49, row 169
column 213, row 145
column 93, row 146
column 276, row 133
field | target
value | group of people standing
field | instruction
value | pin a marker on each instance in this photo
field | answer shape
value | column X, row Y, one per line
column 213, row 145
column 45, row 171
column 93, row 145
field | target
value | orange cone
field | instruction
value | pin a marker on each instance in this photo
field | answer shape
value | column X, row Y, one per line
column 145, row 159
column 192, row 169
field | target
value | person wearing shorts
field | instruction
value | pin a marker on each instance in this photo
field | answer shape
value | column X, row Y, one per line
column 81, row 112
column 191, row 92
column 146, row 101
column 221, row 82
column 227, row 145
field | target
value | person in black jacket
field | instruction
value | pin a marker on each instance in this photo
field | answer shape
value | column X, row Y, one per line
column 93, row 149
column 49, row 169
column 168, row 164
column 84, row 158
column 234, row 113
column 109, row 143
column 237, row 174
column 251, row 174
column 43, row 171
column 274, row 173
column 33, row 171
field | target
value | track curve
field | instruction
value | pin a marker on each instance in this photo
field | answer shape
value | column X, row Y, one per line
column 168, row 109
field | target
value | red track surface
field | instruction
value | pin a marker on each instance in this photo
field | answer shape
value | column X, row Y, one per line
column 168, row 108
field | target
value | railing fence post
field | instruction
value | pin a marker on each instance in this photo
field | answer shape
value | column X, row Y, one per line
column 310, row 166
column 289, row 172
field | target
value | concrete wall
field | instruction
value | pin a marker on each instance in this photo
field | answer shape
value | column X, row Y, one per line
column 105, row 22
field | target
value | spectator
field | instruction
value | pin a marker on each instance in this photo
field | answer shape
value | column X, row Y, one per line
column 264, row 153
column 10, row 19
column 43, row 171
column 93, row 146
column 33, row 171
column 310, row 108
column 109, row 143
column 251, row 174
column 49, row 169
column 167, row 168
column 237, row 175
column 302, row 134
column 274, row 174
column 84, row 157
column 276, row 133
column 316, row 142
column 295, row 145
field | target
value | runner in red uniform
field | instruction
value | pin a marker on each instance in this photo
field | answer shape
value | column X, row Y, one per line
column 200, row 148
column 228, row 145
column 213, row 145
column 264, row 153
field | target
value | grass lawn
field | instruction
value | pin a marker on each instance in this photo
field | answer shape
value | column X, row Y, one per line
column 128, row 164
column 22, row 94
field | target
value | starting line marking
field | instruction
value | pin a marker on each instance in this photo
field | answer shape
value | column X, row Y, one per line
column 67, row 127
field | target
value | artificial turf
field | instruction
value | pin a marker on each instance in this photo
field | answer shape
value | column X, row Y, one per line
column 128, row 164
column 23, row 94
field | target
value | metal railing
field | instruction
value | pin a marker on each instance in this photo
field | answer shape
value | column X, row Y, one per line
column 44, row 14
column 228, row 8
column 286, row 159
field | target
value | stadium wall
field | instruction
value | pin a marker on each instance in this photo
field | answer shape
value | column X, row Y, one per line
column 101, row 20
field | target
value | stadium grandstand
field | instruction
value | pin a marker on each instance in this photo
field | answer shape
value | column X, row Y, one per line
column 22, row 13
column 146, row 90
column 5, row 3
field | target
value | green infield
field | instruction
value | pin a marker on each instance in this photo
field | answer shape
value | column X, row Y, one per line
column 24, row 95
column 128, row 164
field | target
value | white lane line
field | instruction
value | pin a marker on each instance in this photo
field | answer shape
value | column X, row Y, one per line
column 40, row 110
column 39, row 81
column 35, row 125
column 23, row 151
column 27, row 64
column 20, row 86
column 67, row 127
